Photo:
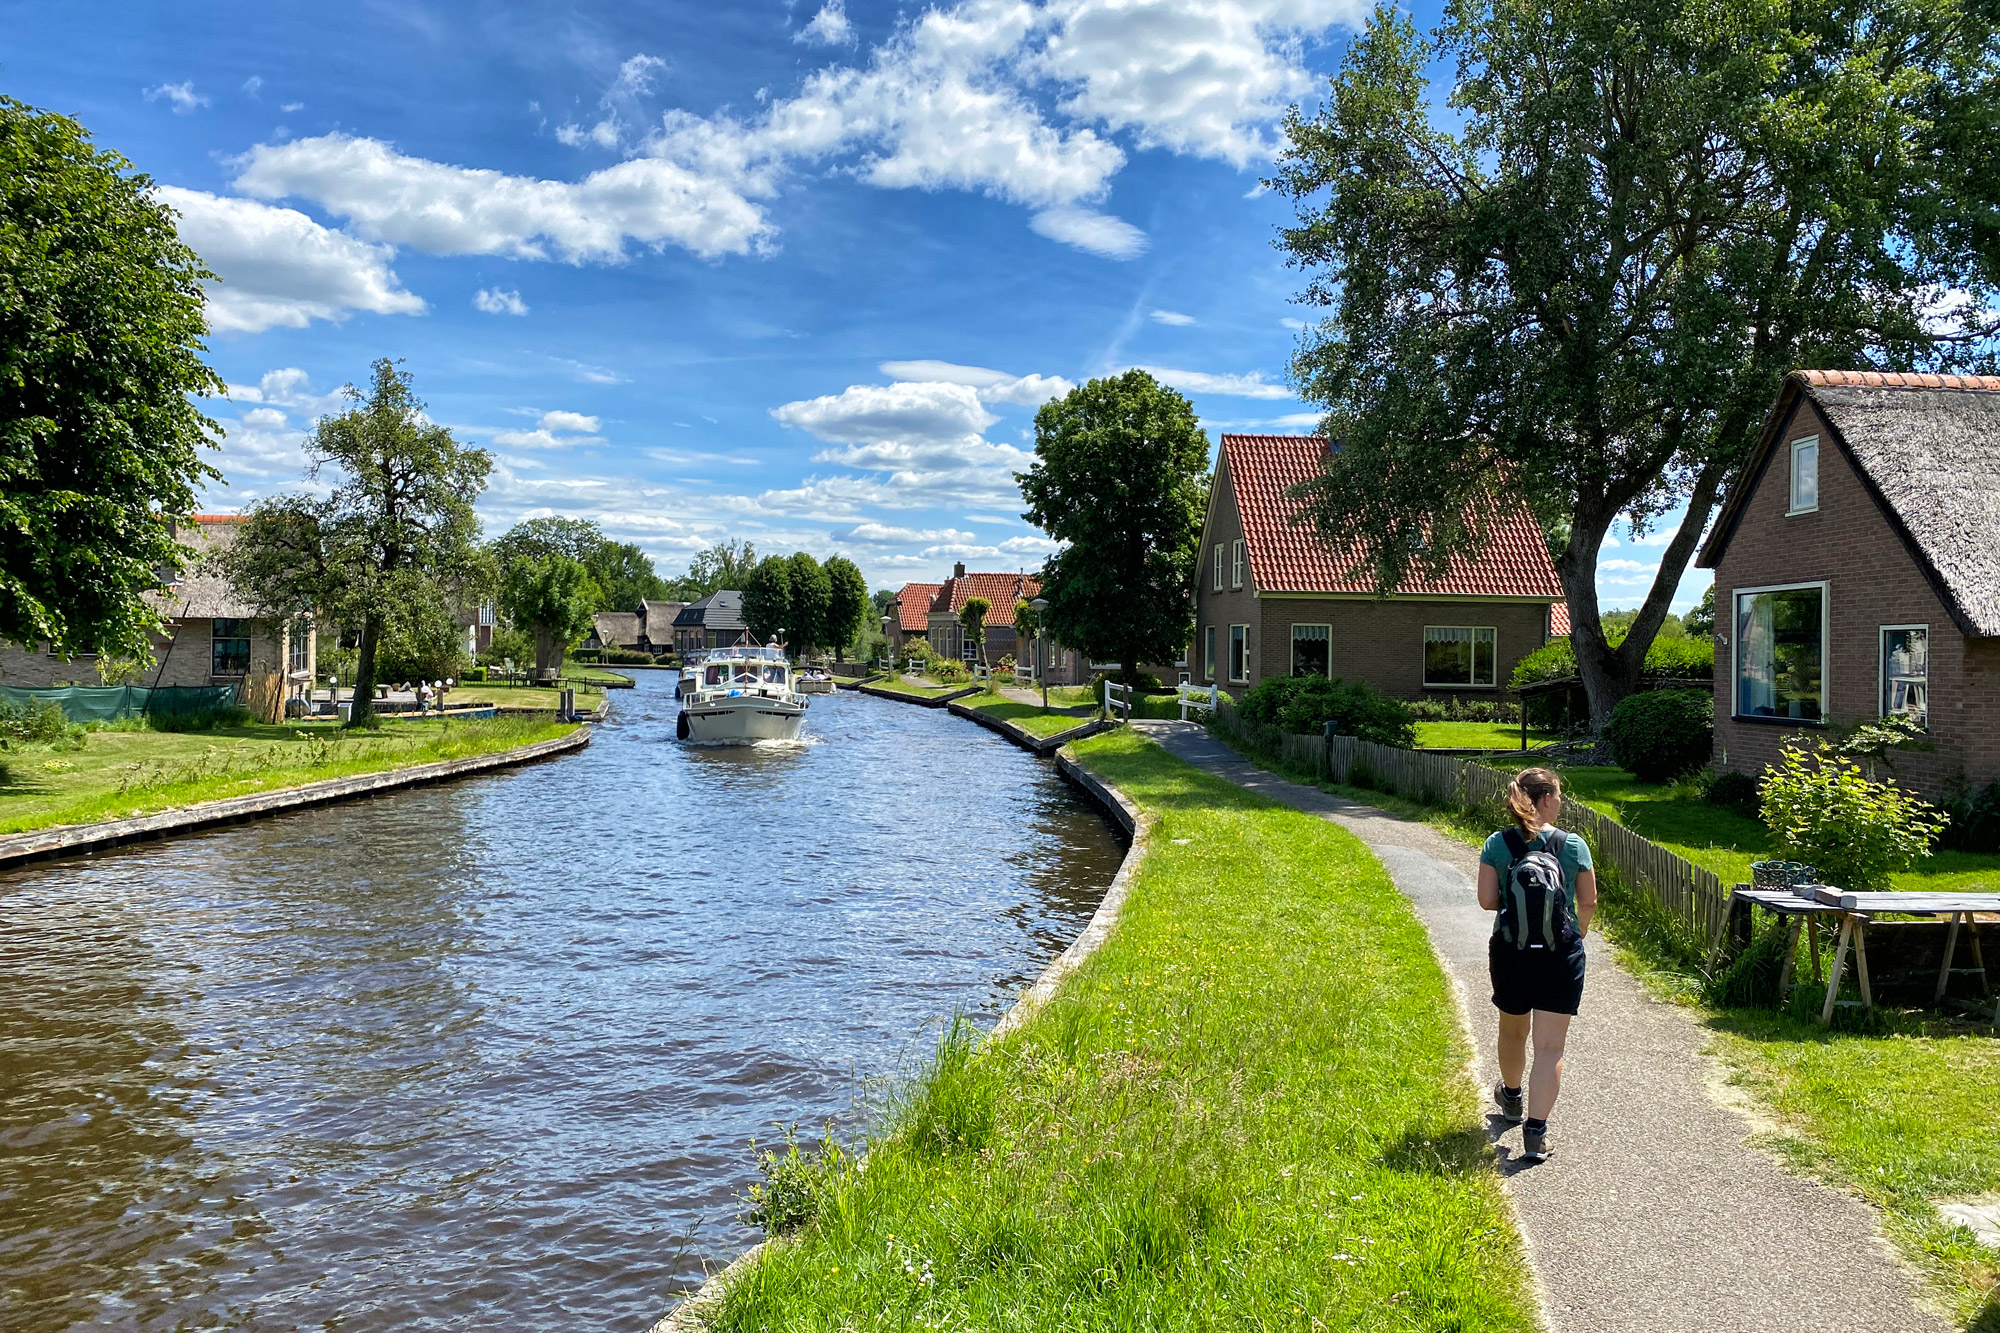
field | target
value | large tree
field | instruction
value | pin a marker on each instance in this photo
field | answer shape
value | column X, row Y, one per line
column 624, row 576
column 847, row 604
column 812, row 600
column 100, row 347
column 723, row 565
column 1583, row 282
column 767, row 598
column 550, row 595
column 1121, row 479
column 396, row 525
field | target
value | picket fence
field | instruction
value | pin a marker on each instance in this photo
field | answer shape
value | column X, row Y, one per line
column 1693, row 896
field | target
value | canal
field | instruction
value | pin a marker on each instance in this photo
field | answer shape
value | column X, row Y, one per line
column 491, row 1055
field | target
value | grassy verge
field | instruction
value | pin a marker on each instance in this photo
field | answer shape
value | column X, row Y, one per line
column 523, row 696
column 1901, row 1107
column 1248, row 1110
column 120, row 773
column 1478, row 736
column 1028, row 717
column 901, row 686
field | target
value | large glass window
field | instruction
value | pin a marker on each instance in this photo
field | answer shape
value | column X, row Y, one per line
column 1239, row 652
column 1906, row 672
column 1208, row 652
column 1781, row 653
column 1459, row 654
column 1312, row 650
column 229, row 647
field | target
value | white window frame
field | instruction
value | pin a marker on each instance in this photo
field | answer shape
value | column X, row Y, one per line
column 1792, row 505
column 1423, row 666
column 1243, row 679
column 1236, row 563
column 1208, row 650
column 1882, row 633
column 1298, row 625
column 1218, row 566
column 1825, row 587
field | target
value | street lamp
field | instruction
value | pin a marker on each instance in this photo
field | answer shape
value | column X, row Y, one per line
column 1041, row 605
column 888, row 650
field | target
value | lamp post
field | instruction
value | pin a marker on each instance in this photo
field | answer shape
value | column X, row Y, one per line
column 888, row 649
column 1041, row 605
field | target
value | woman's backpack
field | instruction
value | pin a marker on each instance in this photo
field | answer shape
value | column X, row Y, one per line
column 1534, row 910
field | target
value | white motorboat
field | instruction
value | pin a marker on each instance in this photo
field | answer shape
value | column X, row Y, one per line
column 742, row 695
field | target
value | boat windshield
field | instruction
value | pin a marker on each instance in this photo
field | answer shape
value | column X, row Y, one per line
column 775, row 675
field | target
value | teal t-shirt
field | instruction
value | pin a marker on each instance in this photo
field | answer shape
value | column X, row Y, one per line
column 1575, row 859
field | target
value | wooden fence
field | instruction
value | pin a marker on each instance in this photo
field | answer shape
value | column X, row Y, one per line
column 1693, row 896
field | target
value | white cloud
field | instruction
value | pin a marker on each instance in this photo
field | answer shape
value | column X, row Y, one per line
column 264, row 418
column 1231, row 386
column 1093, row 232
column 1627, row 567
column 449, row 210
column 882, row 534
column 1028, row 546
column 923, row 436
column 494, row 301
column 1650, row 539
column 289, row 107
column 182, row 95
column 291, row 389
column 829, row 27
column 1296, row 325
column 1172, row 317
column 575, row 422
column 919, row 413
column 553, row 430
column 252, row 84
column 994, row 386
column 622, row 99
column 279, row 268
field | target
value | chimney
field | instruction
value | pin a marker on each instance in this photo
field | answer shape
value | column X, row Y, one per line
column 958, row 570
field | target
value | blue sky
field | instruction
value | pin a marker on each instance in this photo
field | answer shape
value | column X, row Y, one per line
column 796, row 273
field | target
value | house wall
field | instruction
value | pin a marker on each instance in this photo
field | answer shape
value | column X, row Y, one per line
column 1872, row 581
column 181, row 660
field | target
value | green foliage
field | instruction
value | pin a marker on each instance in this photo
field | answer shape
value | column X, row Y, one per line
column 1027, row 623
column 34, row 722
column 1539, row 234
column 796, row 1185
column 624, row 577
column 200, row 719
column 397, row 526
column 1975, row 819
column 767, row 598
column 1700, row 622
column 1857, row 833
column 1452, row 708
column 421, row 640
column 101, row 321
column 847, row 608
column 1662, row 734
column 972, row 619
column 1303, row 705
column 1733, row 791
column 1676, row 656
column 807, row 630
column 725, row 565
column 1121, row 479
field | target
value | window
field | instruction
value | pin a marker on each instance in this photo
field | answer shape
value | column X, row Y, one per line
column 229, row 647
column 1906, row 672
column 1312, row 650
column 1781, row 652
column 295, row 644
column 1218, row 566
column 486, row 615
column 1805, row 476
column 1239, row 652
column 1208, row 650
column 1236, row 563
column 1459, row 655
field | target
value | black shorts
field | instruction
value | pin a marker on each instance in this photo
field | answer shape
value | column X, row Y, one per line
column 1525, row 979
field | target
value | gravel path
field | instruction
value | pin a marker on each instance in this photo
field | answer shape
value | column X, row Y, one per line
column 1654, row 1213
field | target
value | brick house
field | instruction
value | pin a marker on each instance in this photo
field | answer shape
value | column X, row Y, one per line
column 910, row 613
column 716, row 621
column 1271, row 599
column 1857, row 573
column 213, row 636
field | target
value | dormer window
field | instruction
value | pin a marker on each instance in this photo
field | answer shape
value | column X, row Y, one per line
column 1805, row 476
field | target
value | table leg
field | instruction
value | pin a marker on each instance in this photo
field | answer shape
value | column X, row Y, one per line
column 1812, row 943
column 1791, row 960
column 1978, row 959
column 1861, row 963
column 1950, row 948
column 1839, row 966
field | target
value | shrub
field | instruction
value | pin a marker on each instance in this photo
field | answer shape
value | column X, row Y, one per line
column 1303, row 705
column 1733, row 791
column 1145, row 682
column 1556, row 660
column 796, row 1185
column 201, row 719
column 624, row 657
column 1975, row 819
column 1661, row 734
column 34, row 722
column 1454, row 709
column 1857, row 833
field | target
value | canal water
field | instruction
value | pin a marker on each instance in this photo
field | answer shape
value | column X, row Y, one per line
column 491, row 1055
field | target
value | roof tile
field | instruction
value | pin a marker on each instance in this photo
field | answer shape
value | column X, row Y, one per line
column 1878, row 379
column 1001, row 592
column 913, row 605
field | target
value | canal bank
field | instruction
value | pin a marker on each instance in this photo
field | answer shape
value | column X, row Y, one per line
column 1249, row 1101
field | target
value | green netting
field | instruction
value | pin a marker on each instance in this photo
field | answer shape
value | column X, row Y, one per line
column 106, row 703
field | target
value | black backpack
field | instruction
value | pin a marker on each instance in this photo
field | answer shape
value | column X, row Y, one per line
column 1534, row 910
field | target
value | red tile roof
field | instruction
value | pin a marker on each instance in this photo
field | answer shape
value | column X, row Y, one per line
column 1288, row 558
column 913, row 605
column 1876, row 379
column 1559, row 621
column 1001, row 592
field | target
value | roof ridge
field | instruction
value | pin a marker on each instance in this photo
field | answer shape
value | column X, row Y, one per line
column 1894, row 379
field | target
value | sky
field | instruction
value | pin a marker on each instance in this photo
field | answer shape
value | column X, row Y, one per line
column 792, row 273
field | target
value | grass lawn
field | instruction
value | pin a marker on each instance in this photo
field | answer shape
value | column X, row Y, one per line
column 1478, row 736
column 120, row 773
column 901, row 686
column 1028, row 717
column 522, row 696
column 578, row 672
column 1248, row 1110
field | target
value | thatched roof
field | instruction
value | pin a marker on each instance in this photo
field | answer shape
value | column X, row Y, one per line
column 616, row 629
column 1927, row 447
column 200, row 593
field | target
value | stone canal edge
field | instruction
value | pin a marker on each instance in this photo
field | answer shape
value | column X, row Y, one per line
column 78, row 839
column 691, row 1315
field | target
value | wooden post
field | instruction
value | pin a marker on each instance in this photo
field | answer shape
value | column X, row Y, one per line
column 1791, row 957
column 1861, row 960
column 1839, row 967
column 1979, row 961
column 1950, row 947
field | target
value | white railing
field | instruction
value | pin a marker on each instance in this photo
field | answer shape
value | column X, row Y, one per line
column 1024, row 673
column 1199, row 697
column 1117, row 696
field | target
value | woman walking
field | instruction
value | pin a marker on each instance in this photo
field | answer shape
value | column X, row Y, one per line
column 1539, row 882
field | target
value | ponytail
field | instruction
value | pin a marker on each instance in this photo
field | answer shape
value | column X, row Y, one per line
column 1529, row 786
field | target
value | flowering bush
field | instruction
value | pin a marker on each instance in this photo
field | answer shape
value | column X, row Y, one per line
column 1824, row 811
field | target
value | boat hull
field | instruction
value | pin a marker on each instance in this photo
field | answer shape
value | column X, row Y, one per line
column 741, row 722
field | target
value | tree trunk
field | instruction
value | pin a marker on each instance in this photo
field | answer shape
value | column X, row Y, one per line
column 545, row 651
column 362, row 714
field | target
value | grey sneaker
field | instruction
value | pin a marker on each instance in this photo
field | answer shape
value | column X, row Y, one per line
column 1535, row 1145
column 1509, row 1104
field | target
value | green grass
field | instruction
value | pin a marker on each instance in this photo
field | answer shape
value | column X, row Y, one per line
column 119, row 773
column 901, row 686
column 576, row 672
column 522, row 696
column 1478, row 736
column 1248, row 1110
column 1028, row 717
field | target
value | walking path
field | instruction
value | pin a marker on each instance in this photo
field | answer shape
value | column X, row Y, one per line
column 1654, row 1214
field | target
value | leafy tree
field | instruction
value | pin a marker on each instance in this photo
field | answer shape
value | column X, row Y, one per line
column 578, row 538
column 723, row 565
column 396, row 526
column 624, row 576
column 551, row 596
column 1854, row 832
column 767, row 598
column 1027, row 622
column 1121, row 478
column 972, row 619
column 100, row 347
column 812, row 601
column 422, row 639
column 1584, row 282
column 847, row 602
column 1700, row 622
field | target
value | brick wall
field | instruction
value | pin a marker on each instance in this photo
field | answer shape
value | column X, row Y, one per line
column 1233, row 605
column 178, row 661
column 1872, row 582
